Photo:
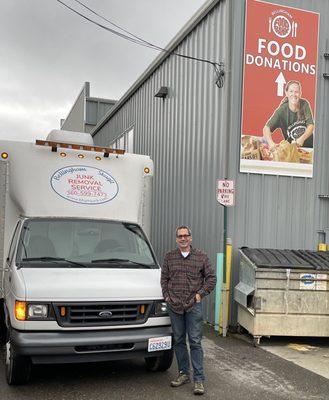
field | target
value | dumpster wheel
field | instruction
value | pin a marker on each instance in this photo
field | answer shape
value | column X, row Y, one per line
column 256, row 340
column 239, row 329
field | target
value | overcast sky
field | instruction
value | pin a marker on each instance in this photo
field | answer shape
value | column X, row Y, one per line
column 47, row 53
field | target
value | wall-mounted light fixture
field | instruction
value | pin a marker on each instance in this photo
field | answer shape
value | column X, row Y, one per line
column 162, row 92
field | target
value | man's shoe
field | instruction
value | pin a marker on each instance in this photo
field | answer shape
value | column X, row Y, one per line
column 181, row 380
column 198, row 388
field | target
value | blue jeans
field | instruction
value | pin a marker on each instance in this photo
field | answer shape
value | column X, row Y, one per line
column 189, row 323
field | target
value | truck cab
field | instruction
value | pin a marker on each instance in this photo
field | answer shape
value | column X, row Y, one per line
column 80, row 280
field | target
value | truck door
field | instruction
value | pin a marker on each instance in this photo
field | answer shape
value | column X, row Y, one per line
column 8, row 264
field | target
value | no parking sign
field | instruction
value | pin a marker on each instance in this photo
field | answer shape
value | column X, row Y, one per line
column 225, row 192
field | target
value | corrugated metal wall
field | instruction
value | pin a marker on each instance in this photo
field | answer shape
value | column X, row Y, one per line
column 75, row 120
column 194, row 134
column 95, row 111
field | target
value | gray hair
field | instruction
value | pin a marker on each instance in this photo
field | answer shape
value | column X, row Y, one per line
column 183, row 227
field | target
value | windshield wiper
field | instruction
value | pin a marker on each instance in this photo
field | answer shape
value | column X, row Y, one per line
column 120, row 260
column 77, row 264
column 45, row 259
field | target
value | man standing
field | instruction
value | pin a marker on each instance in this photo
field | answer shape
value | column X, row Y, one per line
column 187, row 277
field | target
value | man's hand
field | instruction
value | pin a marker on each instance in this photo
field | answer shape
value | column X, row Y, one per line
column 197, row 298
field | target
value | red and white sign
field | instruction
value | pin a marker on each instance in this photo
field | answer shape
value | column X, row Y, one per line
column 225, row 192
column 281, row 45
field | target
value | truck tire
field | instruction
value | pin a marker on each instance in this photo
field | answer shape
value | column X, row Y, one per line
column 160, row 363
column 3, row 334
column 18, row 367
column 3, row 328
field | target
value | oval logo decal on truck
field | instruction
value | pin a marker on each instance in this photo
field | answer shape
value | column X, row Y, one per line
column 84, row 185
column 105, row 314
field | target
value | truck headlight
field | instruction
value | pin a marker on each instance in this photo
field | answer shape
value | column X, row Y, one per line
column 160, row 308
column 37, row 311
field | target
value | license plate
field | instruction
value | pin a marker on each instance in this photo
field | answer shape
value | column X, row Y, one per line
column 159, row 343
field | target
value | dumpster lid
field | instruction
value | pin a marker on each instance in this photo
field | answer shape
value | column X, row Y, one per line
column 275, row 258
column 318, row 259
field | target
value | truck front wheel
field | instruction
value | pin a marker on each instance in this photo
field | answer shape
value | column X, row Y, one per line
column 18, row 367
column 3, row 328
column 160, row 363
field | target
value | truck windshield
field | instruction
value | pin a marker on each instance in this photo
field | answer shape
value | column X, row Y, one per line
column 83, row 243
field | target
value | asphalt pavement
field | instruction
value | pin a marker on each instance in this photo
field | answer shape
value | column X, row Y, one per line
column 235, row 370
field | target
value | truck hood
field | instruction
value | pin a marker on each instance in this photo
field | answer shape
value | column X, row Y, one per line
column 58, row 284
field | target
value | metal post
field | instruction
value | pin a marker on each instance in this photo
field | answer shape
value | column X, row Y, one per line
column 225, row 197
column 224, row 242
column 224, row 309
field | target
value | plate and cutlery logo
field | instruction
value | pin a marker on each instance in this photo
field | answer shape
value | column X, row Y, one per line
column 282, row 27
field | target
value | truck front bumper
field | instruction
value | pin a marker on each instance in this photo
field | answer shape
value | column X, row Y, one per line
column 86, row 346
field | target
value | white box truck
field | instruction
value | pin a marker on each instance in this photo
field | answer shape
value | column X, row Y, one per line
column 80, row 281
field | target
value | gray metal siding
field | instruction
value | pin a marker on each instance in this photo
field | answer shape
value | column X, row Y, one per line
column 285, row 212
column 91, row 112
column 277, row 211
column 96, row 109
column 183, row 140
column 76, row 117
column 194, row 134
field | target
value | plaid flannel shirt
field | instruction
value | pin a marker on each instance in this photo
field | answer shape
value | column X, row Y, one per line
column 182, row 278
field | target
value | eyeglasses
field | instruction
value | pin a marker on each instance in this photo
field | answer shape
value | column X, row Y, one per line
column 182, row 236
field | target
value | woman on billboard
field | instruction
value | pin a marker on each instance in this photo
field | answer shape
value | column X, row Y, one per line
column 293, row 116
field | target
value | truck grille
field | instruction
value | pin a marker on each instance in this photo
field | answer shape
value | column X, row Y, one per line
column 101, row 314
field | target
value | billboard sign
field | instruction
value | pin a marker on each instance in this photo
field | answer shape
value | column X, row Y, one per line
column 279, row 90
